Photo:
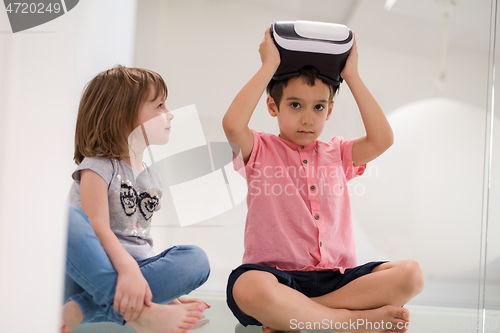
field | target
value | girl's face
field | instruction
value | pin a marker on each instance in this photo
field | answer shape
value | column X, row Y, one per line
column 154, row 119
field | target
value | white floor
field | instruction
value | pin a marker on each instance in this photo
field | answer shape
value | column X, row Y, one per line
column 424, row 319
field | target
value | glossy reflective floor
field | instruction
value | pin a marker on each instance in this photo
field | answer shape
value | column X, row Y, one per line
column 424, row 319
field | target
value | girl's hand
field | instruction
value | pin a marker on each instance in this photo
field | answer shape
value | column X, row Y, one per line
column 132, row 292
column 269, row 53
column 351, row 65
column 192, row 300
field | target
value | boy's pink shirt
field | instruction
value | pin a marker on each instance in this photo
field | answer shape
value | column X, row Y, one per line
column 299, row 214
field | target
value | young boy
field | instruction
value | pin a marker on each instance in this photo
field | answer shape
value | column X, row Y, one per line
column 299, row 264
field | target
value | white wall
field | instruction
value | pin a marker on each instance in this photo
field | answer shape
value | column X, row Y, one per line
column 43, row 72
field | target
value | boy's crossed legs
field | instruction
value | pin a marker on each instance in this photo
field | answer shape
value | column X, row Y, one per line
column 366, row 304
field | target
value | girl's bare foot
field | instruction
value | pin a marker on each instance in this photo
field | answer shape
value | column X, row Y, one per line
column 203, row 321
column 184, row 300
column 170, row 318
column 64, row 329
column 72, row 316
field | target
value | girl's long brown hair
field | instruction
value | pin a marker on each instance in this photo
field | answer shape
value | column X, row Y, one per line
column 109, row 109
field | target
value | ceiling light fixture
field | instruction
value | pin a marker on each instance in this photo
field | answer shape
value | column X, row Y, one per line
column 388, row 4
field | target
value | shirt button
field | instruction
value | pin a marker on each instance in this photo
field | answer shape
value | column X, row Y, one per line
column 316, row 217
column 301, row 147
column 305, row 161
column 320, row 244
column 313, row 187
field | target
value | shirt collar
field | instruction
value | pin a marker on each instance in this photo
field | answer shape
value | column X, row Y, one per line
column 298, row 147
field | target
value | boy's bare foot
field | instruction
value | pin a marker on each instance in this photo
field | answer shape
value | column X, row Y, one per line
column 266, row 329
column 72, row 316
column 385, row 319
column 170, row 318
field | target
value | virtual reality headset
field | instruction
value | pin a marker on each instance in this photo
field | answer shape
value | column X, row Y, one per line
column 322, row 45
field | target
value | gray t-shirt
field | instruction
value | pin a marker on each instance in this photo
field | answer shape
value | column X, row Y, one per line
column 133, row 197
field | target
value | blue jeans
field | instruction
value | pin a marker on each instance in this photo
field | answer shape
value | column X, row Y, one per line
column 91, row 278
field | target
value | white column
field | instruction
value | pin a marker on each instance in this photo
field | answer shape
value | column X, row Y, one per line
column 42, row 75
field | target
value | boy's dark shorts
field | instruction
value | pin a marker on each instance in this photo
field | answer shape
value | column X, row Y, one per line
column 311, row 283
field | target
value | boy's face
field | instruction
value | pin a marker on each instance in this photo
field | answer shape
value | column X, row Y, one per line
column 303, row 110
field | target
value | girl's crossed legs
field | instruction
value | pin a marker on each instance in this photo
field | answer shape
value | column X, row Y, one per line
column 91, row 282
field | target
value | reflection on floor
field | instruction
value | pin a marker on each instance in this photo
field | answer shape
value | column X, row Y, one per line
column 424, row 319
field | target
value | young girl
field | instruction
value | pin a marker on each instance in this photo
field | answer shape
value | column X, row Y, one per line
column 112, row 271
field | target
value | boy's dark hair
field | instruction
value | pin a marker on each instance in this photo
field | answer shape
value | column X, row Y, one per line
column 308, row 73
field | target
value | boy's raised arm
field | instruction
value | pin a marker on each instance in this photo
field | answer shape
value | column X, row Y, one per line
column 379, row 136
column 237, row 117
